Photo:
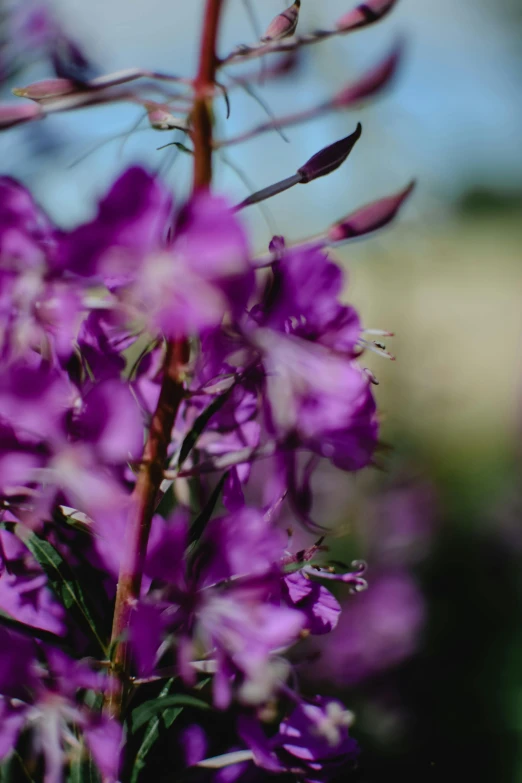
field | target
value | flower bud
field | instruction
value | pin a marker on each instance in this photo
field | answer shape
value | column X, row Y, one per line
column 48, row 88
column 161, row 119
column 14, row 113
column 330, row 158
column 364, row 15
column 70, row 62
column 371, row 82
column 283, row 25
column 369, row 218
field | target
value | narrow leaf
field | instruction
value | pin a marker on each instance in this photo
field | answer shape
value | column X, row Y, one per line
column 200, row 424
column 62, row 581
column 143, row 714
column 153, row 730
column 198, row 526
column 181, row 147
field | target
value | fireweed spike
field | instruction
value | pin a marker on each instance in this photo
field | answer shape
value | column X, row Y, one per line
column 243, row 387
column 322, row 163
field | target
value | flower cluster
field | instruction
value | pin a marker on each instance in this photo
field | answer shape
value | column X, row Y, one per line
column 148, row 361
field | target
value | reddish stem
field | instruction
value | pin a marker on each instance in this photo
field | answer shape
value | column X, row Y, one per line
column 171, row 395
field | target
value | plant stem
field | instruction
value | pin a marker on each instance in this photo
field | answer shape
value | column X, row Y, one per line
column 171, row 395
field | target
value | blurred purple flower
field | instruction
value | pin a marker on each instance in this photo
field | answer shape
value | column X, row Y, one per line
column 377, row 631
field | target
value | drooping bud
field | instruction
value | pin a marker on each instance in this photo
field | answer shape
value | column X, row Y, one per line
column 371, row 82
column 14, row 114
column 283, row 25
column 162, row 119
column 370, row 217
column 322, row 163
column 70, row 62
column 364, row 15
column 48, row 88
column 330, row 158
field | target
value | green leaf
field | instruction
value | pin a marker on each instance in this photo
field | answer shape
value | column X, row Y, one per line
column 143, row 714
column 198, row 526
column 62, row 581
column 153, row 729
column 200, row 424
column 178, row 145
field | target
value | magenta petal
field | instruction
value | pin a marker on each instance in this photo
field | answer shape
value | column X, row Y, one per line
column 320, row 607
column 111, row 421
column 12, row 720
column 131, row 222
column 166, row 551
column 211, row 239
column 104, row 738
column 145, row 635
column 365, row 14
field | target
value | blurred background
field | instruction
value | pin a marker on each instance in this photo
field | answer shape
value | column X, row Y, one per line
column 430, row 657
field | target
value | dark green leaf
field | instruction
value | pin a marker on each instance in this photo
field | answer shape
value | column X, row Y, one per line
column 167, row 717
column 178, row 145
column 143, row 714
column 198, row 526
column 200, row 424
column 62, row 581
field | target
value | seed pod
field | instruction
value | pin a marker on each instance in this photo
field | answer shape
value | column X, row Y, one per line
column 283, row 25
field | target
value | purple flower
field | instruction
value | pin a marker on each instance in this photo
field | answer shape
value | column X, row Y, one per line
column 320, row 607
column 304, row 301
column 23, row 588
column 377, row 631
column 45, row 700
column 222, row 601
column 132, row 221
column 186, row 286
column 312, row 742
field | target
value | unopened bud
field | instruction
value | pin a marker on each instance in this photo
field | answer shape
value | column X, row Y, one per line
column 161, row 119
column 48, row 88
column 370, row 217
column 365, row 14
column 14, row 114
column 70, row 62
column 371, row 82
column 330, row 158
column 284, row 24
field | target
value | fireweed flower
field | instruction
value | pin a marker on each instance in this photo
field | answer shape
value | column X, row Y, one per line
column 148, row 360
column 44, row 701
column 312, row 742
